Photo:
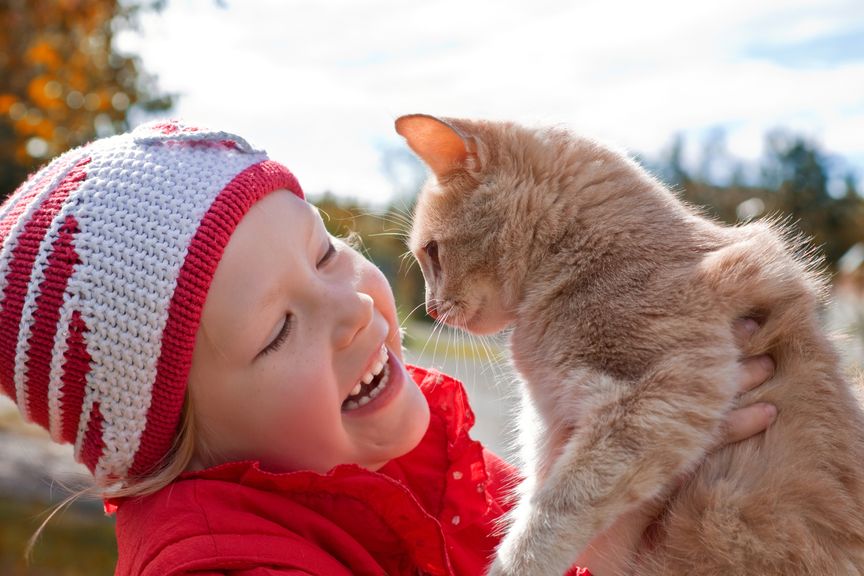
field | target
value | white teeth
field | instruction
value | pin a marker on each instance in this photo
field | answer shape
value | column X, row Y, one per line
column 377, row 390
column 377, row 367
column 353, row 402
column 375, row 370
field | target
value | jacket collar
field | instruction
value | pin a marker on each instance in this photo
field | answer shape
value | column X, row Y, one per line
column 436, row 488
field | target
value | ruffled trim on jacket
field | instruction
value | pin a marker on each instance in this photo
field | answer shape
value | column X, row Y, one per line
column 415, row 514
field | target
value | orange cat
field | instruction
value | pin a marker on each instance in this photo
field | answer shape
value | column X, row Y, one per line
column 621, row 301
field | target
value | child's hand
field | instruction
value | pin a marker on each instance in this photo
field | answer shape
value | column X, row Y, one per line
column 755, row 418
column 611, row 552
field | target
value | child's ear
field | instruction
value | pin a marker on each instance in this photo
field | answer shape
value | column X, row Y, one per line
column 443, row 148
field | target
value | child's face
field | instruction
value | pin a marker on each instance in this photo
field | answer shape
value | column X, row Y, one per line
column 286, row 406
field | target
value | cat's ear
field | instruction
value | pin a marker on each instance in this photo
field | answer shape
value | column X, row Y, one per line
column 441, row 146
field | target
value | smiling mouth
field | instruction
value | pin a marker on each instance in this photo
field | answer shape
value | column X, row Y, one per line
column 372, row 383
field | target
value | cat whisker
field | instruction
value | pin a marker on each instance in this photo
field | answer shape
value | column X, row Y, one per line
column 499, row 359
column 492, row 359
column 428, row 340
column 441, row 321
column 408, row 316
column 407, row 214
column 435, row 326
column 471, row 354
column 405, row 255
column 463, row 336
column 399, row 226
column 472, row 341
column 452, row 347
column 399, row 221
column 502, row 375
column 387, row 233
column 371, row 214
column 390, row 218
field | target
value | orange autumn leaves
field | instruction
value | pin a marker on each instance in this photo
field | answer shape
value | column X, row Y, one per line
column 62, row 83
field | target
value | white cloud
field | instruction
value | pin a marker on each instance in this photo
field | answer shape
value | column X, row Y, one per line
column 319, row 83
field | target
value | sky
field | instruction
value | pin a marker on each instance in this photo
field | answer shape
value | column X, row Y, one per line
column 319, row 83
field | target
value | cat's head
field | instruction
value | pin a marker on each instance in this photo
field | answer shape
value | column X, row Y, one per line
column 471, row 230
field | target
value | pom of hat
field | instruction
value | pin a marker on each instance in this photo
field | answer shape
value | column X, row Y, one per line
column 106, row 257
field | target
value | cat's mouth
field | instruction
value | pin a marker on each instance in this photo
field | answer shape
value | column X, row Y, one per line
column 458, row 315
column 481, row 317
column 448, row 312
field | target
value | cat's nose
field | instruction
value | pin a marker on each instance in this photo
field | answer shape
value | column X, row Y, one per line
column 432, row 310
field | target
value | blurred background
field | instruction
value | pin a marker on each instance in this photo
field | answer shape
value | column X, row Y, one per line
column 747, row 108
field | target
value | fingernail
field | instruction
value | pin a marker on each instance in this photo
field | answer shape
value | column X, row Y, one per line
column 770, row 411
column 767, row 363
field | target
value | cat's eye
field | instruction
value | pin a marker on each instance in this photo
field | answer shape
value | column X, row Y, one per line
column 431, row 249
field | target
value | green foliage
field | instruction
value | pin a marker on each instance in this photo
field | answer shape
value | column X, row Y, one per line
column 798, row 174
column 74, row 543
column 381, row 236
column 796, row 181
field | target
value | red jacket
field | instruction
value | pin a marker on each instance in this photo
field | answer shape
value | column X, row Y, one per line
column 432, row 511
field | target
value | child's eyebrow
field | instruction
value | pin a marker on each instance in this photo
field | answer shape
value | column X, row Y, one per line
column 267, row 299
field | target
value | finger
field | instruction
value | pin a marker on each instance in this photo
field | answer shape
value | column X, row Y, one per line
column 756, row 370
column 743, row 329
column 748, row 421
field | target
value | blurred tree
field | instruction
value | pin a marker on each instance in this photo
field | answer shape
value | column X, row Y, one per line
column 702, row 187
column 381, row 237
column 671, row 167
column 800, row 175
column 796, row 180
column 61, row 81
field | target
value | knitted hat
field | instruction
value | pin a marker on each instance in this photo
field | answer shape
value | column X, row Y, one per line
column 107, row 256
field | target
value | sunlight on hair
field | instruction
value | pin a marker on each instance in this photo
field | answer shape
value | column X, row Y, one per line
column 173, row 465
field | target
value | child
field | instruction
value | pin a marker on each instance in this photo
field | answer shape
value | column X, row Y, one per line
column 233, row 376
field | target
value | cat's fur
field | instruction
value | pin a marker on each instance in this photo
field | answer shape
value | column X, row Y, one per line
column 621, row 301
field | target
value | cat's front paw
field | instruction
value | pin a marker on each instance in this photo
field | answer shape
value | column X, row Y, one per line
column 538, row 543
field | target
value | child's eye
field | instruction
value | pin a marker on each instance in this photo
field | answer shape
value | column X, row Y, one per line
column 280, row 338
column 331, row 251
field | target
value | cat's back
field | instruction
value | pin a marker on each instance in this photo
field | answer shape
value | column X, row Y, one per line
column 620, row 300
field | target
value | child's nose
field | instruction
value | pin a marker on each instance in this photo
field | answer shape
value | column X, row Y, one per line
column 355, row 313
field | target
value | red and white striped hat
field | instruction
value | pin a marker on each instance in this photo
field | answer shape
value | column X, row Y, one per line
column 107, row 256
